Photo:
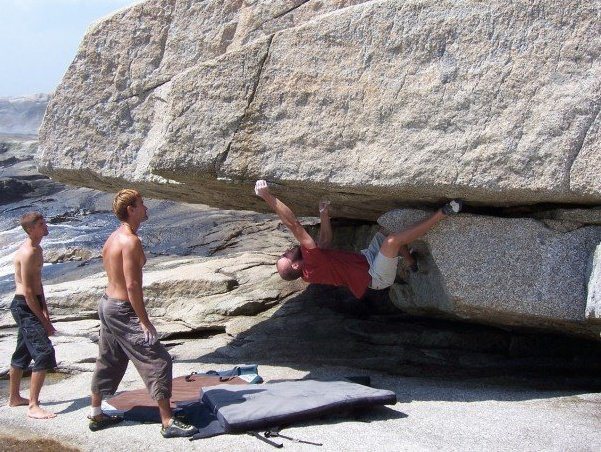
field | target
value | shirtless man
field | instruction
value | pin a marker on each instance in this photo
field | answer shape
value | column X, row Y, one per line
column 30, row 311
column 375, row 267
column 126, row 332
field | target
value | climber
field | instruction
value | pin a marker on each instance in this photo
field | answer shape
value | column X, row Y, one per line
column 374, row 267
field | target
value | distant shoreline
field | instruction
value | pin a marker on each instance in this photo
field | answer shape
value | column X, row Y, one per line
column 18, row 136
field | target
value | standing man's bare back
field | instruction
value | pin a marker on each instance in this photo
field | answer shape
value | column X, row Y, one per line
column 122, row 246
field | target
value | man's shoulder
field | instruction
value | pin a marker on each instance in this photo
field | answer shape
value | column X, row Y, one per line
column 314, row 250
column 26, row 251
column 131, row 239
column 119, row 239
column 317, row 249
column 331, row 253
column 130, row 244
column 313, row 254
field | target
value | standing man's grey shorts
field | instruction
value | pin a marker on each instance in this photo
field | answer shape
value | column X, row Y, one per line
column 382, row 269
column 122, row 340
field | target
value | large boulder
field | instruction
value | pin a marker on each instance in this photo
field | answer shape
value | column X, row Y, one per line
column 511, row 271
column 377, row 103
column 374, row 104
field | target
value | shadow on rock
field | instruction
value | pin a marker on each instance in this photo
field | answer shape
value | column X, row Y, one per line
column 75, row 404
column 325, row 326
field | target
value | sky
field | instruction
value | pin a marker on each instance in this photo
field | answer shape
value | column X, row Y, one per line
column 39, row 39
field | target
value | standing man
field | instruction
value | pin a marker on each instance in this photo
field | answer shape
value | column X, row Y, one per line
column 126, row 332
column 30, row 312
column 375, row 267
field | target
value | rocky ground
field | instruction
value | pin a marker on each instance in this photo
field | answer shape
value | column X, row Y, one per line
column 432, row 414
column 213, row 293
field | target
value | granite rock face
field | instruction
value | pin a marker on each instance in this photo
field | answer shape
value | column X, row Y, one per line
column 375, row 103
column 593, row 301
column 508, row 271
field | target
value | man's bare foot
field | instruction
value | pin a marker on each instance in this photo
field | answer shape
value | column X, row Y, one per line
column 18, row 401
column 37, row 412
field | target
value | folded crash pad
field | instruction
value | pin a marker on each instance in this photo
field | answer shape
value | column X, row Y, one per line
column 244, row 408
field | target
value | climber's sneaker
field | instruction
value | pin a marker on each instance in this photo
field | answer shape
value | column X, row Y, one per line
column 103, row 421
column 178, row 429
column 452, row 207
